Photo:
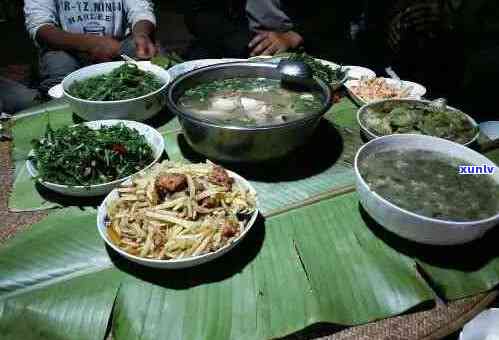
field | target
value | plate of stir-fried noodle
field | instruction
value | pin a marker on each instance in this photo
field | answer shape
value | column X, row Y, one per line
column 178, row 215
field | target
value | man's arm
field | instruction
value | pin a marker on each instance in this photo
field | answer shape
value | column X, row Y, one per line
column 275, row 30
column 96, row 48
column 140, row 14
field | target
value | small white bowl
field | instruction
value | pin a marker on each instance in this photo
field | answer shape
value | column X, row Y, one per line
column 153, row 138
column 175, row 263
column 410, row 225
column 370, row 135
column 484, row 326
column 490, row 129
column 138, row 109
column 417, row 90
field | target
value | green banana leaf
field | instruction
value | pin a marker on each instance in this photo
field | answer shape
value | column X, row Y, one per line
column 319, row 263
column 303, row 177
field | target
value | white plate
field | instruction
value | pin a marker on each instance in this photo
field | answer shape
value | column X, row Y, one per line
column 153, row 138
column 188, row 66
column 417, row 90
column 178, row 263
column 358, row 72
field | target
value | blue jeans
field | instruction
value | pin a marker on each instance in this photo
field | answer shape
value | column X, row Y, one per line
column 55, row 65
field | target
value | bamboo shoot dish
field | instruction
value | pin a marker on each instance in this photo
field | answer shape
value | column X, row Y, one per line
column 176, row 211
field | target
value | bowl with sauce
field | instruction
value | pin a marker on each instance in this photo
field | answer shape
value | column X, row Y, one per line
column 413, row 186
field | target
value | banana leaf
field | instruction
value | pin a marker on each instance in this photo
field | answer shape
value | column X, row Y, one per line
column 57, row 281
column 314, row 264
column 303, row 176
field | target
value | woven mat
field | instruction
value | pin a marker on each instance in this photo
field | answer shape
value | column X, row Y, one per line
column 431, row 324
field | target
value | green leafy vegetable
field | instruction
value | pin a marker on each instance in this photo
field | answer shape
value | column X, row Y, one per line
column 167, row 61
column 124, row 82
column 390, row 118
column 324, row 72
column 79, row 155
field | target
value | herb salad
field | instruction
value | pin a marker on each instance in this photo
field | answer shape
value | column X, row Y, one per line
column 124, row 82
column 79, row 155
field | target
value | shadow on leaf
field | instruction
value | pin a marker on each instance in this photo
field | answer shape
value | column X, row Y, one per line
column 466, row 257
column 319, row 154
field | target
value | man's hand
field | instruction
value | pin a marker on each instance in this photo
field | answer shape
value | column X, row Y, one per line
column 270, row 43
column 103, row 49
column 144, row 47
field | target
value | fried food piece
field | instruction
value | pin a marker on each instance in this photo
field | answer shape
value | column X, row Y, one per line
column 221, row 177
column 169, row 183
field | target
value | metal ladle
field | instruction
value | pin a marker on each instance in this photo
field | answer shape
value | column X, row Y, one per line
column 294, row 73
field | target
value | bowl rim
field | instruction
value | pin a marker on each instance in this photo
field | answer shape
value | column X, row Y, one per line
column 172, row 106
column 102, row 211
column 447, row 223
column 122, row 101
column 372, row 135
column 31, row 165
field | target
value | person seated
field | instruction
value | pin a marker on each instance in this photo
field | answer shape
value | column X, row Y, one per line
column 71, row 34
column 274, row 31
column 238, row 29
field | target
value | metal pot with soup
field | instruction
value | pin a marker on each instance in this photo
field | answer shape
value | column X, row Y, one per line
column 242, row 112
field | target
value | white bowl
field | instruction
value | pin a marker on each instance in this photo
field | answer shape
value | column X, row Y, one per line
column 153, row 138
column 484, row 326
column 490, row 129
column 417, row 90
column 408, row 224
column 175, row 263
column 370, row 135
column 138, row 109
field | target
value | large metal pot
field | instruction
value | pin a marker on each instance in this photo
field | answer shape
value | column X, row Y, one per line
column 238, row 143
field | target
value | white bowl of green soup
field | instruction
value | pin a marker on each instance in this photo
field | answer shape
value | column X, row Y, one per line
column 428, row 189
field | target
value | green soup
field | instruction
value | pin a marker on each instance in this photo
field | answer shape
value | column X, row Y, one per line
column 429, row 184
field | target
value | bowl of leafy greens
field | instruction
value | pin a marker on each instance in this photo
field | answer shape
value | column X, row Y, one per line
column 116, row 90
column 416, row 116
column 91, row 159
